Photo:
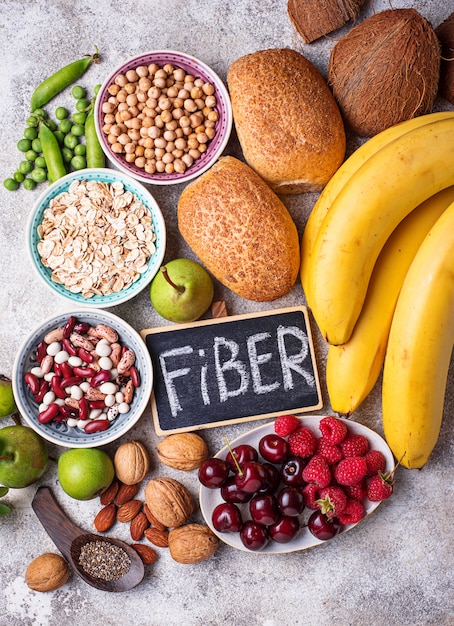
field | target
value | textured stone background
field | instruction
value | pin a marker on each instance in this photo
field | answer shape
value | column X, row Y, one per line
column 396, row 567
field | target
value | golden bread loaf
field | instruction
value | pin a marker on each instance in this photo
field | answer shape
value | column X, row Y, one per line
column 241, row 231
column 288, row 124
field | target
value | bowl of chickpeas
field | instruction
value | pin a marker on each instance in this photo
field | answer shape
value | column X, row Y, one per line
column 163, row 117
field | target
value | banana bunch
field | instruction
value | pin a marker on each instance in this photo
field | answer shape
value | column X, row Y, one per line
column 360, row 243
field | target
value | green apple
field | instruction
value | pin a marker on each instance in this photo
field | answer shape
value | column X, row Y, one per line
column 7, row 402
column 85, row 473
column 181, row 291
column 23, row 456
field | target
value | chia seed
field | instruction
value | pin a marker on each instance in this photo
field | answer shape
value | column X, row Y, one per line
column 104, row 560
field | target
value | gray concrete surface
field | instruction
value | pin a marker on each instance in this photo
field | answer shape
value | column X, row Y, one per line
column 395, row 568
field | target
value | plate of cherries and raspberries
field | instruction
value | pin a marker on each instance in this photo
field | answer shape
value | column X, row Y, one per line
column 295, row 483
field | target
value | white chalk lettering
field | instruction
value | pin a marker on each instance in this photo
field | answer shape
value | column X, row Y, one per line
column 256, row 360
column 169, row 377
column 227, row 366
column 292, row 363
column 203, row 381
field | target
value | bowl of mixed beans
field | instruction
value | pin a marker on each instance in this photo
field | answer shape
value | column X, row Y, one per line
column 163, row 117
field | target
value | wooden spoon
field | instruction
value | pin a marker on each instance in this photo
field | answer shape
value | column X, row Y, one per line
column 70, row 539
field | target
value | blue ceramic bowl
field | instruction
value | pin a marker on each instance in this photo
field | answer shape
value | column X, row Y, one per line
column 109, row 176
column 59, row 432
column 192, row 66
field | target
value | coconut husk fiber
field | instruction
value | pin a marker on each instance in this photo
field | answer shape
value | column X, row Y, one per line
column 314, row 18
column 445, row 34
column 385, row 70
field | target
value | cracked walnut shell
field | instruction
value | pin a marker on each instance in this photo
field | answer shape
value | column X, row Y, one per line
column 169, row 501
column 182, row 451
column 192, row 543
column 132, row 462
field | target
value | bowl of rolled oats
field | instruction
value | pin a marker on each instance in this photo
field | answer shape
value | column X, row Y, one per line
column 96, row 237
column 164, row 117
column 82, row 379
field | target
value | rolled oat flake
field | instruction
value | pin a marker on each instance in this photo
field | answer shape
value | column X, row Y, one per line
column 104, row 560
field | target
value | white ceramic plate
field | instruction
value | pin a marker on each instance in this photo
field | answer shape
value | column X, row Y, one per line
column 210, row 498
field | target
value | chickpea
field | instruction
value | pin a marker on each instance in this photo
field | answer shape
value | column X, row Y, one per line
column 179, row 166
column 172, row 92
column 134, row 111
column 172, row 125
column 202, row 138
column 190, row 105
column 159, row 152
column 200, row 103
column 210, row 102
column 115, row 130
column 131, row 100
column 203, row 148
column 159, row 122
column 154, row 132
column 108, row 107
column 170, row 147
column 123, row 139
column 130, row 157
column 122, row 106
column 183, row 94
column 179, row 132
column 195, row 154
column 179, row 74
column 160, row 142
column 160, row 166
column 177, row 153
column 213, row 116
column 187, row 159
column 122, row 95
column 160, row 83
column 111, row 139
column 198, row 82
column 168, row 158
column 117, row 148
column 109, row 118
column 196, row 119
column 147, row 142
column 140, row 162
column 144, row 84
column 147, row 122
column 130, row 148
column 142, row 70
column 164, row 104
column 166, row 116
column 114, row 89
column 152, row 69
column 134, row 134
column 149, row 153
column 121, row 80
column 196, row 92
column 180, row 143
column 140, row 150
column 141, row 98
column 193, row 144
column 169, row 135
column 150, row 167
column 210, row 133
column 125, row 115
column 208, row 89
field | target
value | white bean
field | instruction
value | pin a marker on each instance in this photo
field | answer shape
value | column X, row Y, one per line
column 37, row 372
column 82, row 423
column 49, row 376
column 119, row 397
column 105, row 363
column 76, row 392
column 53, row 348
column 108, row 388
column 61, row 357
column 72, row 422
column 103, row 349
column 94, row 414
column 109, row 400
column 85, row 385
column 59, row 401
column 123, row 407
column 48, row 398
column 75, row 361
column 42, row 407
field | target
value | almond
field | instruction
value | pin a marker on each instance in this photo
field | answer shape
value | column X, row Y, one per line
column 159, row 538
column 126, row 493
column 109, row 494
column 138, row 525
column 105, row 518
column 127, row 511
column 147, row 554
column 152, row 519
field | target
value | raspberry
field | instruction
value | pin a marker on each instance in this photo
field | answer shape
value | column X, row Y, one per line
column 357, row 491
column 317, row 471
column 285, row 425
column 332, row 501
column 375, row 462
column 333, row 429
column 380, row 487
column 350, row 471
column 354, row 445
column 353, row 512
column 331, row 452
column 302, row 442
column 310, row 492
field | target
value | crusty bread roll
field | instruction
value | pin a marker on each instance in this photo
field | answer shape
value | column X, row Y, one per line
column 240, row 230
column 288, row 124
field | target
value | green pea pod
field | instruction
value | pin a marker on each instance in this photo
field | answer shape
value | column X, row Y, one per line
column 60, row 80
column 52, row 153
column 95, row 155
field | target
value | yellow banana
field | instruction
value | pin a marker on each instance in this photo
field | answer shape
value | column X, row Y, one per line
column 386, row 188
column 352, row 369
column 344, row 173
column 419, row 348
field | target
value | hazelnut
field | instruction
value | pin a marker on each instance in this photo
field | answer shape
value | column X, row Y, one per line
column 131, row 462
column 47, row 572
column 169, row 501
column 183, row 451
column 192, row 543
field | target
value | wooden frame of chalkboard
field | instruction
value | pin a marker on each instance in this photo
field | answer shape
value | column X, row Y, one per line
column 238, row 368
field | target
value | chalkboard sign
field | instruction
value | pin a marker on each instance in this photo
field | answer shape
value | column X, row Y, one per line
column 233, row 369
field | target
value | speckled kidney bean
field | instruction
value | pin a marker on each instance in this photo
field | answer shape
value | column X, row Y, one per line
column 54, row 335
column 126, row 362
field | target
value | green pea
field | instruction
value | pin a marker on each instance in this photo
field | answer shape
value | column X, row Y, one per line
column 65, row 126
column 32, row 121
column 82, row 104
column 10, row 184
column 31, row 132
column 39, row 175
column 40, row 162
column 79, row 117
column 96, row 89
column 80, row 149
column 67, row 154
column 61, row 113
column 60, row 136
column 24, row 144
column 78, row 130
column 29, row 184
column 18, row 176
column 31, row 155
column 25, row 167
column 36, row 145
column 78, row 162
column 70, row 141
column 40, row 113
column 52, row 125
column 78, row 92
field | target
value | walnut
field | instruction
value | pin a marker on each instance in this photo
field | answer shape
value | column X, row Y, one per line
column 183, row 451
column 47, row 572
column 192, row 543
column 132, row 462
column 169, row 501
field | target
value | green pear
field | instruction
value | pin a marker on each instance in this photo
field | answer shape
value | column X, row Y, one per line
column 181, row 291
column 23, row 456
column 84, row 473
column 7, row 402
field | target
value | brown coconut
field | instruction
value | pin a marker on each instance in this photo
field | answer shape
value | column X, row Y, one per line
column 385, row 70
column 445, row 34
column 313, row 19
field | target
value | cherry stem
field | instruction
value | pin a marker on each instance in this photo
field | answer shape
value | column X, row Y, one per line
column 165, row 273
column 235, row 460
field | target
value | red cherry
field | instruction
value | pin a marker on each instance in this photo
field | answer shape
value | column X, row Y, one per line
column 252, row 478
column 213, row 473
column 273, row 448
column 322, row 527
column 284, row 529
column 254, row 536
column 242, row 453
column 263, row 509
column 226, row 518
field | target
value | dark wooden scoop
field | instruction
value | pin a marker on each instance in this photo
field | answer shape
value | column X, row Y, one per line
column 70, row 539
